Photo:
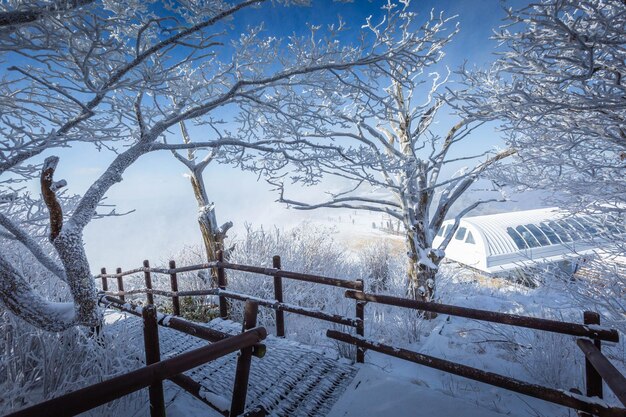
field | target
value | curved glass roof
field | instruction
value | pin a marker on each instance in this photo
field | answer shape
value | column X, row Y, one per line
column 510, row 232
column 553, row 232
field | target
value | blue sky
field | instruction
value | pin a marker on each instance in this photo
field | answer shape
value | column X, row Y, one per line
column 165, row 216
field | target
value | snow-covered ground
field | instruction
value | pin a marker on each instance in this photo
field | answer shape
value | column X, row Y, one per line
column 377, row 392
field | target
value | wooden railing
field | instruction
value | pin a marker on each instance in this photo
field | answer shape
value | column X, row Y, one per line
column 598, row 368
column 156, row 371
column 278, row 303
column 590, row 333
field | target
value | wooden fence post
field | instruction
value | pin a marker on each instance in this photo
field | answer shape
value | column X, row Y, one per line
column 593, row 380
column 105, row 284
column 153, row 355
column 360, row 327
column 221, row 284
column 278, row 296
column 174, row 285
column 242, row 373
column 146, row 274
column 120, row 283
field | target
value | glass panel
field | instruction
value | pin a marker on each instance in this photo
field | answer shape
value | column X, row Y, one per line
column 521, row 244
column 570, row 229
column 611, row 227
column 588, row 225
column 460, row 234
column 440, row 232
column 554, row 239
column 563, row 234
column 470, row 238
column 541, row 238
column 528, row 237
column 579, row 228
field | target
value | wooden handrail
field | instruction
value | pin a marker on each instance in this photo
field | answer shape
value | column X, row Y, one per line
column 176, row 323
column 554, row 326
column 318, row 279
column 101, row 393
column 273, row 272
column 609, row 373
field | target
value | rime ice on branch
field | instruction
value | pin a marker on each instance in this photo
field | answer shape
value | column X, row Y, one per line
column 374, row 129
column 118, row 75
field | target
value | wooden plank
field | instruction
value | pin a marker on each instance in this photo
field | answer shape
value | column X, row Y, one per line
column 537, row 391
column 190, row 268
column 148, row 280
column 244, row 361
column 303, row 311
column 360, row 327
column 153, row 355
column 103, row 276
column 593, row 380
column 610, row 374
column 574, row 329
column 120, row 282
column 174, row 287
column 318, row 279
column 221, row 284
column 278, row 296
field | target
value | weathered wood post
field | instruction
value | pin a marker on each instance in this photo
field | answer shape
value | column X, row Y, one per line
column 105, row 284
column 360, row 327
column 174, row 285
column 153, row 355
column 278, row 296
column 148, row 278
column 120, row 283
column 221, row 284
column 242, row 373
column 593, row 380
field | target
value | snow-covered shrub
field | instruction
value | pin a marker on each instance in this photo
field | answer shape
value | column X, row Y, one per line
column 553, row 360
column 36, row 365
column 375, row 259
column 307, row 249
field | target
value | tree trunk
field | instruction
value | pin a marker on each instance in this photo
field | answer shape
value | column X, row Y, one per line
column 212, row 235
column 421, row 275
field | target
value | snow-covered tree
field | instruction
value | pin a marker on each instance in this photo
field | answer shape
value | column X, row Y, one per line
column 386, row 146
column 119, row 74
column 213, row 235
column 559, row 89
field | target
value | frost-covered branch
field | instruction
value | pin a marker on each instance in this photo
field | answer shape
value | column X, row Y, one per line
column 558, row 89
column 33, row 246
column 35, row 12
column 48, row 190
column 382, row 121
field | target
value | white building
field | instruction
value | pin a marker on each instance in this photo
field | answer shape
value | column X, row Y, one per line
column 501, row 243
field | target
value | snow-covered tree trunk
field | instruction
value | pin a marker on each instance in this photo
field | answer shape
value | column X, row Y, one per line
column 423, row 265
column 212, row 235
column 18, row 295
